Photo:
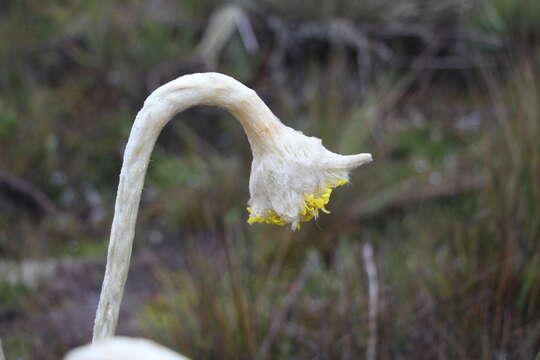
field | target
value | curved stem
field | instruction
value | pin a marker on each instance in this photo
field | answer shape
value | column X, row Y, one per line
column 260, row 125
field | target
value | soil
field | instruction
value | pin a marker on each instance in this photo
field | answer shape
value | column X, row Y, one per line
column 60, row 314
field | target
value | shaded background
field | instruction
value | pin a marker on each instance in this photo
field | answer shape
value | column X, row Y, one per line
column 432, row 252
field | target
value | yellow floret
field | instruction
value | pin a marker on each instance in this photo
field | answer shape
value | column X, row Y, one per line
column 272, row 218
column 312, row 204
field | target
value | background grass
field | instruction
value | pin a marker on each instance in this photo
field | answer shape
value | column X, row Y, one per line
column 445, row 95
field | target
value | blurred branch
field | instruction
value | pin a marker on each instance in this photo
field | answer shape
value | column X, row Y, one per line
column 19, row 188
column 373, row 289
column 336, row 31
column 372, row 45
column 220, row 30
column 416, row 191
column 410, row 193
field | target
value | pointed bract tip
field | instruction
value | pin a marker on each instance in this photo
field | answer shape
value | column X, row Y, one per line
column 352, row 161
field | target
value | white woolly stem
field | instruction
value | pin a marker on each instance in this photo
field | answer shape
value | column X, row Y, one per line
column 260, row 125
column 2, row 357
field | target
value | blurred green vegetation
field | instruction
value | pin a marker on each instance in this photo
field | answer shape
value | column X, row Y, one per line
column 450, row 109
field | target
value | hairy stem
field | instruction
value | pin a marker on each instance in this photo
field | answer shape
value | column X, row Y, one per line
column 260, row 125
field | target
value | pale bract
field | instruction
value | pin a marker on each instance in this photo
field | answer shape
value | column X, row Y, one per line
column 292, row 179
column 123, row 348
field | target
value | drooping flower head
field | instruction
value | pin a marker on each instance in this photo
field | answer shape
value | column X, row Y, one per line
column 292, row 180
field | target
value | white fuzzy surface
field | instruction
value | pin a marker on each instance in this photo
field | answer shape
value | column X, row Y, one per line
column 295, row 166
column 123, row 348
column 286, row 165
